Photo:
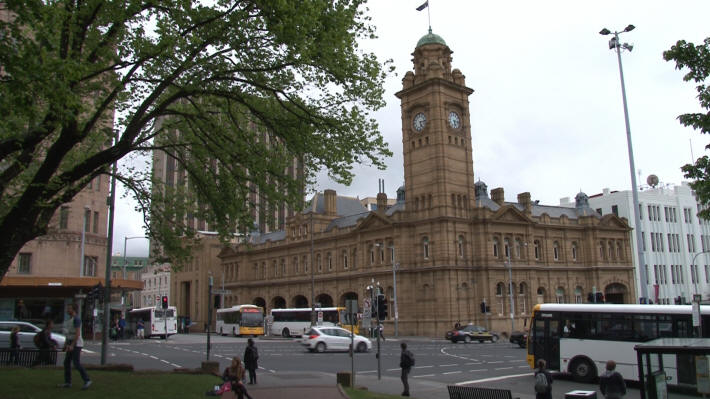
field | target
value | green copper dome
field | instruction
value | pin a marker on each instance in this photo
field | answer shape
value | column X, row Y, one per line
column 430, row 38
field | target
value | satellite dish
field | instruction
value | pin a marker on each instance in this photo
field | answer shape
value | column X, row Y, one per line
column 652, row 180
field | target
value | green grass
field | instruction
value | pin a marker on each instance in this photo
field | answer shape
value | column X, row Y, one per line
column 23, row 383
column 364, row 394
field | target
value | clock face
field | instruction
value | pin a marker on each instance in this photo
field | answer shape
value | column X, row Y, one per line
column 419, row 122
column 454, row 120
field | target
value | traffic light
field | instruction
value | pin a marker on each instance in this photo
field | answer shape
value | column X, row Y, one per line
column 164, row 301
column 381, row 307
column 217, row 301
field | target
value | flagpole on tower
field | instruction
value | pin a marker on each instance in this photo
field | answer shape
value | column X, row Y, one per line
column 422, row 7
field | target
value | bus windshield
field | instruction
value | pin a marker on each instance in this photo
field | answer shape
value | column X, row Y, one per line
column 252, row 319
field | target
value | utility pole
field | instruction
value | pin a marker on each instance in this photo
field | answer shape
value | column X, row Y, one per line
column 209, row 315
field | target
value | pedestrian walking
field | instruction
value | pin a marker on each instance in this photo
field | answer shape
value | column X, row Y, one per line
column 381, row 331
column 251, row 355
column 15, row 345
column 406, row 362
column 140, row 328
column 72, row 347
column 43, row 340
column 121, row 328
column 611, row 383
column 543, row 381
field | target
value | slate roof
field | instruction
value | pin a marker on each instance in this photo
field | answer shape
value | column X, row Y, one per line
column 538, row 210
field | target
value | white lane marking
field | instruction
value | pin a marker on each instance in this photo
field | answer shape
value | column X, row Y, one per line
column 423, row 367
column 503, row 377
column 165, row 361
column 495, row 362
column 447, row 365
column 153, row 357
column 392, row 369
column 473, row 371
column 175, row 365
column 523, row 367
column 452, row 372
column 88, row 351
column 503, row 368
column 144, row 354
column 473, row 363
column 366, row 372
column 423, row 375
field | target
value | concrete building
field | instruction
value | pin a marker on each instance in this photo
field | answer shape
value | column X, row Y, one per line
column 449, row 245
column 672, row 237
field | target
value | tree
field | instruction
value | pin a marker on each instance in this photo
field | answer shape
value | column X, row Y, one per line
column 231, row 89
column 697, row 60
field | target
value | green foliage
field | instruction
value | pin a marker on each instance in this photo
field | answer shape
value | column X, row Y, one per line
column 696, row 59
column 246, row 96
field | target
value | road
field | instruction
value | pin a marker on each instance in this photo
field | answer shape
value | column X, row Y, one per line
column 284, row 362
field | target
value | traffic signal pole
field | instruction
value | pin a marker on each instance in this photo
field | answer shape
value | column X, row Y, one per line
column 377, row 332
column 209, row 315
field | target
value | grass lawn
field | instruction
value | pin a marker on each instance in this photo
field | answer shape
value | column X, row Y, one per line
column 364, row 394
column 24, row 383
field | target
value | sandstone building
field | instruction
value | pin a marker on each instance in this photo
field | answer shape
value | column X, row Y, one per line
column 450, row 244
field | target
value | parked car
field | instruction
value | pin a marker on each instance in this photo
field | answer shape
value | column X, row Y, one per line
column 27, row 334
column 321, row 339
column 520, row 338
column 471, row 333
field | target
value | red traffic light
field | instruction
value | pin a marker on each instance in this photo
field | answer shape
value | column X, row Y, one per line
column 164, row 301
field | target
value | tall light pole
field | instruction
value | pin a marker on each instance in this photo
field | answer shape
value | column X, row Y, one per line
column 313, row 281
column 509, row 266
column 395, row 266
column 615, row 44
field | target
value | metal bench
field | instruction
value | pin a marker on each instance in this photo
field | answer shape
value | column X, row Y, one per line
column 461, row 392
column 25, row 358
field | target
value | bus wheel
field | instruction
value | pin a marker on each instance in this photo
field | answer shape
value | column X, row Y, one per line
column 285, row 333
column 467, row 339
column 320, row 348
column 583, row 370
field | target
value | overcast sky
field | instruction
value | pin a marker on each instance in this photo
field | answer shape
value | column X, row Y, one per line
column 546, row 112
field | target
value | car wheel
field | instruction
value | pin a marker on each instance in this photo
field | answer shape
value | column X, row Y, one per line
column 583, row 370
column 320, row 347
column 467, row 339
column 361, row 347
column 285, row 333
column 494, row 338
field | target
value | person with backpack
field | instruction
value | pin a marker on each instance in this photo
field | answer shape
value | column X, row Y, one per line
column 611, row 383
column 251, row 355
column 43, row 340
column 406, row 362
column 543, row 381
column 15, row 345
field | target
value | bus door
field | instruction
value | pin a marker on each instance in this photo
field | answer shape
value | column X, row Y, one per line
column 547, row 342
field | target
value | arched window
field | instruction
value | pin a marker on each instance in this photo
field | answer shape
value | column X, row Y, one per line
column 506, row 248
column 611, row 250
column 523, row 298
column 495, row 247
column 345, row 259
column 390, row 245
column 320, row 263
column 574, row 251
column 619, row 252
column 354, row 258
column 556, row 251
column 460, row 246
column 306, row 265
column 295, row 265
column 330, row 262
column 518, row 248
column 601, row 249
column 372, row 254
column 578, row 294
column 500, row 287
column 381, row 247
column 560, row 295
column 540, row 295
column 425, row 247
column 538, row 250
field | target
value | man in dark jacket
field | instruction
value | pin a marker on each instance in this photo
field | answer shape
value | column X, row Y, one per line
column 611, row 383
column 251, row 355
column 406, row 361
column 46, row 344
column 546, row 391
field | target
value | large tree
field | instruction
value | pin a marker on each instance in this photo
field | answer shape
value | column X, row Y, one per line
column 696, row 58
column 233, row 90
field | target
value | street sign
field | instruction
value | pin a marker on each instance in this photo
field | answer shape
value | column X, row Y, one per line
column 221, row 292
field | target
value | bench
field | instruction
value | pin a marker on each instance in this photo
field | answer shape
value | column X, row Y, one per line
column 461, row 392
column 25, row 358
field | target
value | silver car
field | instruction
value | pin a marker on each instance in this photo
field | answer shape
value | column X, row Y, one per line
column 321, row 339
column 27, row 334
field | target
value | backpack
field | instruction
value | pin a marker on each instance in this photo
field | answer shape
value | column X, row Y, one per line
column 408, row 360
column 541, row 384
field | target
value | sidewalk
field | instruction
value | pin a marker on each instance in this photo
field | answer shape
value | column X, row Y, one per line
column 314, row 391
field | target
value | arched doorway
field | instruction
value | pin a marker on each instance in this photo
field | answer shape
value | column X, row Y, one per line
column 278, row 302
column 346, row 297
column 259, row 301
column 299, row 301
column 324, row 300
column 615, row 293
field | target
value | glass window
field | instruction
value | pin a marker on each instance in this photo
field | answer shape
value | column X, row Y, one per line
column 23, row 263
column 64, row 217
column 425, row 244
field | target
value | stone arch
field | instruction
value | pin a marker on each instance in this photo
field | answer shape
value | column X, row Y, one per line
column 299, row 301
column 325, row 300
column 278, row 302
column 347, row 296
column 259, row 301
column 616, row 293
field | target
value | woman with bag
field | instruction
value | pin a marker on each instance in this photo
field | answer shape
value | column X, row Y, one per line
column 233, row 377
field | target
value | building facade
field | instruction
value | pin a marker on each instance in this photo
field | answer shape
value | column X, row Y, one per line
column 675, row 241
column 447, row 243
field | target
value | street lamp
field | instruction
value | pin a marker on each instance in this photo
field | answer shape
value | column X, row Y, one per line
column 509, row 266
column 614, row 43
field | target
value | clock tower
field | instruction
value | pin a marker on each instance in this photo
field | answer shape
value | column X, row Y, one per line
column 436, row 133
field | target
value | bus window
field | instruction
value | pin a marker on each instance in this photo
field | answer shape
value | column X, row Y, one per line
column 684, row 328
column 645, row 327
column 665, row 326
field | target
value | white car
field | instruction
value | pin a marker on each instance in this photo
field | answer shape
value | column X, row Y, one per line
column 27, row 334
column 321, row 339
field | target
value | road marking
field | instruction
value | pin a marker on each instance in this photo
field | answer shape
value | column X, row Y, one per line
column 452, row 372
column 392, row 369
column 153, row 357
column 473, row 371
column 473, row 363
column 144, row 354
column 88, row 351
column 523, row 367
column 165, row 361
column 503, row 368
column 423, row 375
column 495, row 362
column 423, row 367
column 448, row 365
column 175, row 365
column 366, row 372
column 503, row 377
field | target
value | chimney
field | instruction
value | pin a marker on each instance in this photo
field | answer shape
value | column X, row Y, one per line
column 524, row 200
column 329, row 197
column 381, row 202
column 498, row 196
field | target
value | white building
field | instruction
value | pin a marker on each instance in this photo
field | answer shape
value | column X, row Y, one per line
column 672, row 237
column 156, row 283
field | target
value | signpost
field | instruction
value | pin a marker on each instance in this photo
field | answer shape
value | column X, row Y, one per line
column 351, row 308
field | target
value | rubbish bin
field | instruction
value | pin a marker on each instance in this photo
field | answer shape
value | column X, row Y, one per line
column 581, row 395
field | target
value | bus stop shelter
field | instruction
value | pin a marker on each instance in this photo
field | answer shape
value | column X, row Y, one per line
column 688, row 358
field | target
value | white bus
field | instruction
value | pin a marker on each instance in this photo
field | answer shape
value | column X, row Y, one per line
column 580, row 338
column 297, row 321
column 156, row 321
column 240, row 320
